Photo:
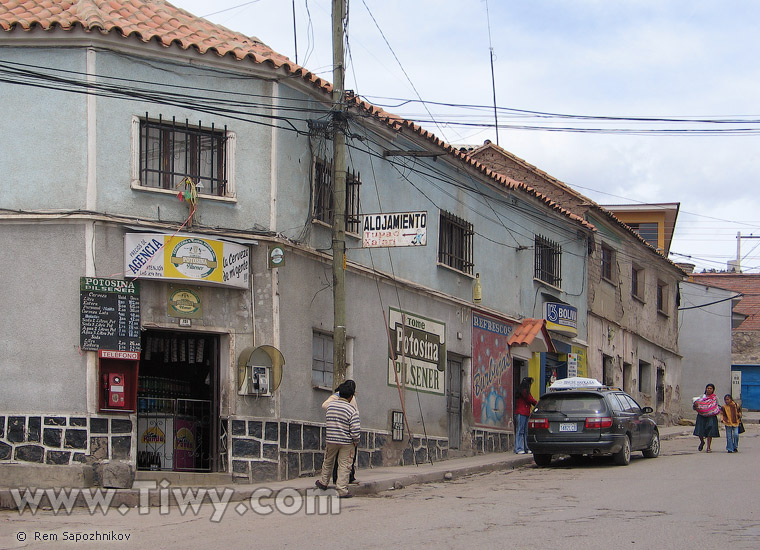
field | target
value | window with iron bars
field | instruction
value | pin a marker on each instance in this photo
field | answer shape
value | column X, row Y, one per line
column 171, row 152
column 548, row 261
column 323, row 195
column 455, row 242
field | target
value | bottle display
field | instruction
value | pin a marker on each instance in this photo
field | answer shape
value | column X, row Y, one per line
column 174, row 406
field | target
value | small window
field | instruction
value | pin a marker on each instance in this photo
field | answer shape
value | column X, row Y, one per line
column 322, row 360
column 548, row 261
column 645, row 377
column 323, row 195
column 170, row 151
column 455, row 242
column 627, row 376
column 637, row 282
column 647, row 231
column 608, row 258
column 662, row 297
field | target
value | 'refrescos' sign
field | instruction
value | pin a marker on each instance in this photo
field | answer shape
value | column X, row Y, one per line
column 418, row 356
column 186, row 258
column 491, row 372
column 394, row 229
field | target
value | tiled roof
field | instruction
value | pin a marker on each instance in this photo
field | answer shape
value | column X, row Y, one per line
column 145, row 20
column 747, row 284
column 498, row 159
column 528, row 330
column 149, row 20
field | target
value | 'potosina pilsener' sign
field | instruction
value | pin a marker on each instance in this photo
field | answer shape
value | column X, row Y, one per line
column 418, row 356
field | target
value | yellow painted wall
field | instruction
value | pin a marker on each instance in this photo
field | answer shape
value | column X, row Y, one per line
column 646, row 217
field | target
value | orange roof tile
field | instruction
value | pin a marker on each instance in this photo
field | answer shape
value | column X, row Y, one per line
column 158, row 20
column 145, row 20
column 528, row 330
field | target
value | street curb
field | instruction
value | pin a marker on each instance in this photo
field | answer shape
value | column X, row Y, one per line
column 439, row 472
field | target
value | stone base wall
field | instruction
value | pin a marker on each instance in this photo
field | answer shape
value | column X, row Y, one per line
column 260, row 449
column 267, row 450
column 64, row 440
column 487, row 441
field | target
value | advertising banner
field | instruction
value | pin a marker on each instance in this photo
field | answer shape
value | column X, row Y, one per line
column 492, row 392
column 561, row 318
column 418, row 356
column 186, row 258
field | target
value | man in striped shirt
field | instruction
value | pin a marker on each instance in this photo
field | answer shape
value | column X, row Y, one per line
column 342, row 422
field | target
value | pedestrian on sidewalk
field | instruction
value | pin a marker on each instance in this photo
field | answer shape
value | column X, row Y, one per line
column 708, row 409
column 343, row 428
column 523, row 403
column 333, row 396
column 731, row 417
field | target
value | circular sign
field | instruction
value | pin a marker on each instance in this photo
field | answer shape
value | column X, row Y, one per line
column 276, row 256
column 185, row 302
column 194, row 258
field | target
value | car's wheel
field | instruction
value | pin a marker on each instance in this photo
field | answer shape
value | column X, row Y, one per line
column 623, row 457
column 653, row 451
column 542, row 460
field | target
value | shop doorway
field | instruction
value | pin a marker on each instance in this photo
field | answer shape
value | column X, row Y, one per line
column 454, row 401
column 177, row 402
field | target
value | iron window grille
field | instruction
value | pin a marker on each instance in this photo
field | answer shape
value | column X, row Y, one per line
column 171, row 152
column 323, row 196
column 322, row 360
column 455, row 242
column 548, row 261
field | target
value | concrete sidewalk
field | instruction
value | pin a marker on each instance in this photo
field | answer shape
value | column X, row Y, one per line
column 372, row 480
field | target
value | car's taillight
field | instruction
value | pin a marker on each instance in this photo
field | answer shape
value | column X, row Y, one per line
column 596, row 422
column 538, row 424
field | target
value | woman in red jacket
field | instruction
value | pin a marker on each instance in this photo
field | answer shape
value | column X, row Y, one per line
column 523, row 402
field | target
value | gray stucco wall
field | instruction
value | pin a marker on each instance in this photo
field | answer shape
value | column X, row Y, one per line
column 41, row 366
column 705, row 341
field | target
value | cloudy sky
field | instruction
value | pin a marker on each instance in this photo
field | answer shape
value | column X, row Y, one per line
column 691, row 69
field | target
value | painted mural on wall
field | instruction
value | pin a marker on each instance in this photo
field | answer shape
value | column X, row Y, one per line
column 491, row 372
column 419, row 345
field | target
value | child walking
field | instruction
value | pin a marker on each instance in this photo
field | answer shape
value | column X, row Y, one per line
column 732, row 416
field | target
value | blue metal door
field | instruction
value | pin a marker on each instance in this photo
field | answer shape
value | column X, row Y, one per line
column 751, row 388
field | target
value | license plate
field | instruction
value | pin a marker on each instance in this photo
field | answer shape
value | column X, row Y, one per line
column 568, row 427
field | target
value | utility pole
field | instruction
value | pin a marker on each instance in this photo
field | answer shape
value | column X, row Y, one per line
column 339, row 194
column 737, row 265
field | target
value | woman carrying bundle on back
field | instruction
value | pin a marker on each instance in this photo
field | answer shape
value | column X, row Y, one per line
column 708, row 409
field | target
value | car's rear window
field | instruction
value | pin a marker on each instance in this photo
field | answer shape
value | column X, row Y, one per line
column 569, row 404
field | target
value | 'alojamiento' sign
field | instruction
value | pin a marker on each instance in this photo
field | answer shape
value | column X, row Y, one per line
column 394, row 229
column 421, row 344
column 186, row 258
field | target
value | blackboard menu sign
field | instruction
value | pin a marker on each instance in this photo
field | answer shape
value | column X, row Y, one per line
column 109, row 314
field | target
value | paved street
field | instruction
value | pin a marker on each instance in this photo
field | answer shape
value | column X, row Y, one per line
column 670, row 502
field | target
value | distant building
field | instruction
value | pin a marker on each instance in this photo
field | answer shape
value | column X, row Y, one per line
column 745, row 341
column 654, row 222
column 704, row 340
column 632, row 291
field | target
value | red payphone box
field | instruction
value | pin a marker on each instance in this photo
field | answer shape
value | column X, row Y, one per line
column 114, row 388
column 118, row 372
